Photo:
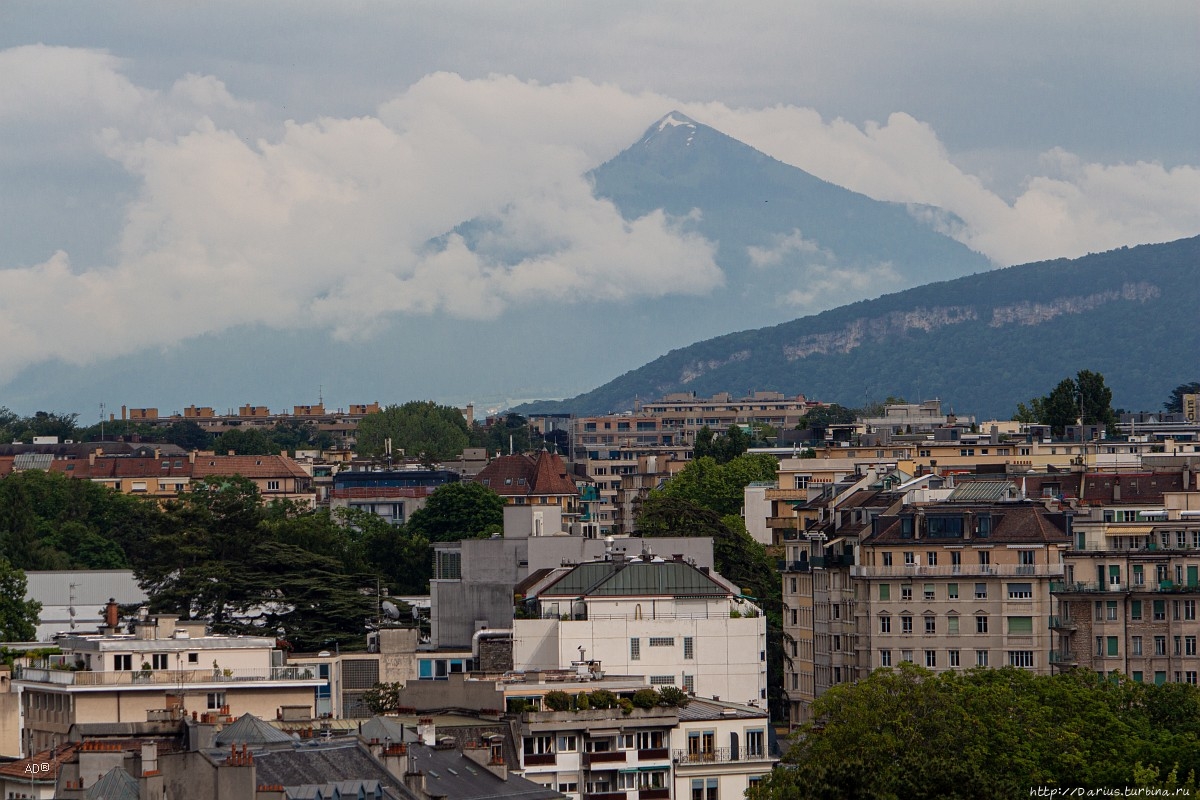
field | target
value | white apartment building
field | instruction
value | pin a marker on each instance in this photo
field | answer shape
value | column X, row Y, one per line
column 675, row 623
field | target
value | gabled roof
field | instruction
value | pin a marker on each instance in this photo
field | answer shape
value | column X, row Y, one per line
column 1011, row 523
column 318, row 764
column 523, row 475
column 247, row 467
column 637, row 577
column 116, row 784
column 383, row 729
column 983, row 492
column 249, row 729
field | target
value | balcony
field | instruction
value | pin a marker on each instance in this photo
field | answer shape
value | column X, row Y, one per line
column 540, row 759
column 166, row 678
column 718, row 755
column 604, row 757
column 793, row 566
column 1058, row 623
column 1062, row 658
column 958, row 571
column 654, row 754
column 662, row 793
column 606, row 796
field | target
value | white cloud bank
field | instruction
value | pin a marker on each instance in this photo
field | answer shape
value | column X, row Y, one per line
column 326, row 223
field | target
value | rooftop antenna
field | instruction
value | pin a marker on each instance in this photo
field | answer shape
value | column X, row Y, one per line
column 320, row 394
column 102, row 422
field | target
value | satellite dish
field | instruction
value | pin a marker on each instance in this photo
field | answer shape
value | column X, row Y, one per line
column 390, row 609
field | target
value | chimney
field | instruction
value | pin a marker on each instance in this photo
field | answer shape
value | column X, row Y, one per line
column 427, row 731
column 149, row 757
column 112, row 614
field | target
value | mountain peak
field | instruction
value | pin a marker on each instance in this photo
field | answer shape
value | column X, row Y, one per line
column 671, row 125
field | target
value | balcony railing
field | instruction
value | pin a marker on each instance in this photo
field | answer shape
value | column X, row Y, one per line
column 163, row 677
column 1062, row 657
column 540, row 759
column 958, row 571
column 604, row 757
column 1094, row 587
column 662, row 793
column 1062, row 623
column 717, row 755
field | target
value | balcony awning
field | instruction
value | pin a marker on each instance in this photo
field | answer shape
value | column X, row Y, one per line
column 629, row 770
column 832, row 542
column 1131, row 530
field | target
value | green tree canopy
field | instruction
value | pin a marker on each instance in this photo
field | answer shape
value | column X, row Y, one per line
column 1174, row 402
column 907, row 733
column 455, row 511
column 720, row 487
column 509, row 432
column 420, row 428
column 18, row 616
column 245, row 442
column 824, row 416
column 722, row 449
column 1083, row 398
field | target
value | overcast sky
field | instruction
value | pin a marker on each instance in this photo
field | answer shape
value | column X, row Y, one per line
column 209, row 165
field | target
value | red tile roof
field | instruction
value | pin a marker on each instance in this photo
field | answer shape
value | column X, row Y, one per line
column 523, row 475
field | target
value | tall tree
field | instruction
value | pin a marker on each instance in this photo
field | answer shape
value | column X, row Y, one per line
column 18, row 616
column 1174, row 402
column 455, row 511
column 720, row 487
column 422, row 429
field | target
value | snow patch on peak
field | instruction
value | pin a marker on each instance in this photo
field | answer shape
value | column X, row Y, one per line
column 673, row 120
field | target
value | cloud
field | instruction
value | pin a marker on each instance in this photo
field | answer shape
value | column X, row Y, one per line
column 337, row 224
column 1073, row 209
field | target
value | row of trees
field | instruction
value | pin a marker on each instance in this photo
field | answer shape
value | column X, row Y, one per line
column 991, row 733
column 218, row 552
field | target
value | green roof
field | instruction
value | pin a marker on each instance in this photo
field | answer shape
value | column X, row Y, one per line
column 635, row 578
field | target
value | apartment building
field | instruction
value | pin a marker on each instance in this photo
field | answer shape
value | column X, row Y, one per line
column 1128, row 599
column 534, row 480
column 684, row 414
column 165, row 664
column 391, row 494
column 667, row 619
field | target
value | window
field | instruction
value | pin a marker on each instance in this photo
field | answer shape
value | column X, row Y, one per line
column 662, row 641
column 930, row 625
column 1189, row 645
column 985, row 560
column 689, row 648
column 906, row 593
column 887, row 559
column 909, row 558
column 662, row 680
column 1110, row 610
column 981, row 658
column 756, row 741
column 931, row 658
column 704, row 789
column 906, row 655
column 952, row 625
column 837, row 643
column 123, row 662
column 1136, row 641
column 1139, row 575
column 1020, row 591
column 1135, row 610
column 929, row 595
column 944, row 527
column 952, row 591
column 159, row 661
column 885, row 591
column 1020, row 658
column 1189, row 609
column 931, row 558
column 953, row 657
column 449, row 565
column 635, row 649
column 885, row 658
column 689, row 684
column 566, row 787
column 1111, row 646
column 906, row 624
column 272, row 486
column 1020, row 626
column 1160, row 610
column 193, row 658
column 567, row 744
column 1160, row 645
column 981, row 591
column 216, row 701
column 1191, row 676
column 1178, row 642
column 981, row 625
column 885, row 624
column 542, row 745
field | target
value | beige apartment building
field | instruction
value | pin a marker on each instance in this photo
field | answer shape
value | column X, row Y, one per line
column 167, row 666
column 945, row 585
